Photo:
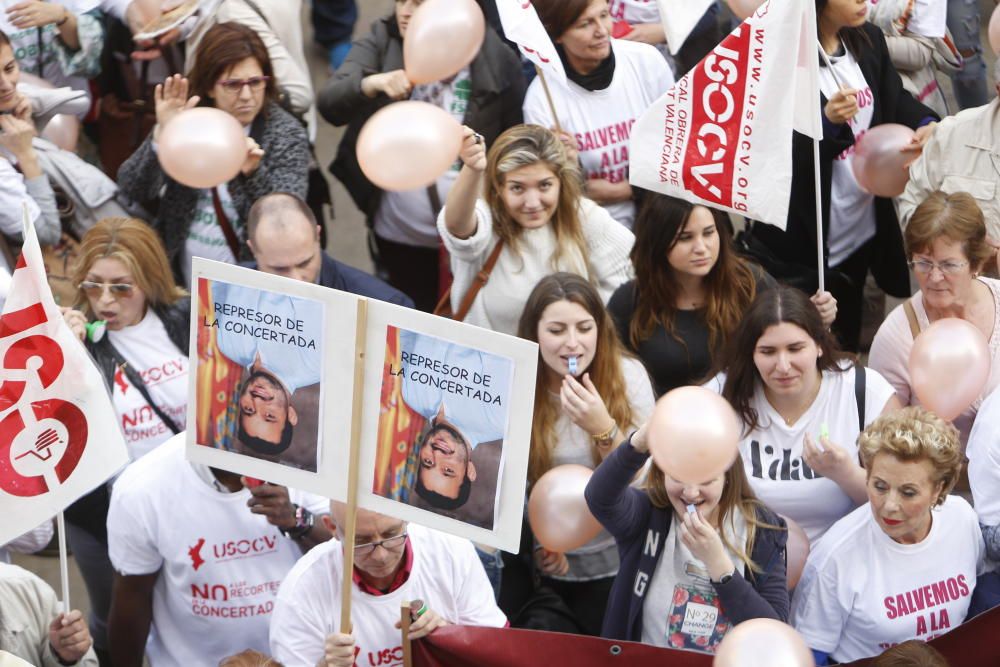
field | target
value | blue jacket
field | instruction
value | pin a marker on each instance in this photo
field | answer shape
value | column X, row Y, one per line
column 337, row 275
column 641, row 531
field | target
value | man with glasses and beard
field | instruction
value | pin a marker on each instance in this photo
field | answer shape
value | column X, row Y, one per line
column 393, row 562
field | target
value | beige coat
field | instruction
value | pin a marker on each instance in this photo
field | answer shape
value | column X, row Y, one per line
column 963, row 155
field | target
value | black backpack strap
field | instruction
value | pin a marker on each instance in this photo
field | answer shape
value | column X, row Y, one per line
column 136, row 381
column 859, row 394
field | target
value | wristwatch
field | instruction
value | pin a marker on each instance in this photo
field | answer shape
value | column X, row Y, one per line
column 304, row 521
column 724, row 579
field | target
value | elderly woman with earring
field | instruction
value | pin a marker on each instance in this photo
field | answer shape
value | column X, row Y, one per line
column 946, row 247
column 920, row 547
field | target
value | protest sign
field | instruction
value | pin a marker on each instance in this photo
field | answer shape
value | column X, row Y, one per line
column 443, row 414
column 59, row 436
column 261, row 348
column 722, row 135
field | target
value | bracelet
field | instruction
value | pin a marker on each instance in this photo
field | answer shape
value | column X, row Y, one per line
column 304, row 521
column 607, row 435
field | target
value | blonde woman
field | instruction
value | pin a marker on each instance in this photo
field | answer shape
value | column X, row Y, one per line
column 533, row 217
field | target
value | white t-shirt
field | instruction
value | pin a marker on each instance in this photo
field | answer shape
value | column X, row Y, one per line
column 407, row 216
column 983, row 451
column 163, row 368
column 598, row 558
column 772, row 453
column 852, row 210
column 447, row 575
column 219, row 565
column 862, row 592
column 601, row 120
column 205, row 236
column 681, row 609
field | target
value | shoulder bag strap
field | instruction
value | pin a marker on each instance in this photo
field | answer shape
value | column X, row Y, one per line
column 477, row 283
column 227, row 228
column 911, row 317
column 137, row 382
column 860, row 385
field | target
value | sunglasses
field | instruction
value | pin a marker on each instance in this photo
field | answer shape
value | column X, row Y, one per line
column 256, row 84
column 96, row 290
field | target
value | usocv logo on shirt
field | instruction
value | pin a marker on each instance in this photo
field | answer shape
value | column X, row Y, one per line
column 233, row 549
column 765, row 463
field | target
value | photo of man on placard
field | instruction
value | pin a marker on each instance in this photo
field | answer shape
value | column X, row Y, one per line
column 443, row 422
column 273, row 342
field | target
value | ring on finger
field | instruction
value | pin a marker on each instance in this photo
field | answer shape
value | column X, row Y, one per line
column 478, row 137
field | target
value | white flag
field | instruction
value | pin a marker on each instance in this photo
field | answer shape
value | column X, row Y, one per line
column 522, row 26
column 722, row 136
column 679, row 17
column 59, row 437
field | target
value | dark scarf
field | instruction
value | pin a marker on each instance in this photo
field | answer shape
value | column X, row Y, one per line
column 599, row 79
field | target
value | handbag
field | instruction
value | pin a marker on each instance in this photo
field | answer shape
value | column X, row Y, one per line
column 443, row 307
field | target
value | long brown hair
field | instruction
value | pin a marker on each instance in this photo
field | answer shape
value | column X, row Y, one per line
column 774, row 306
column 730, row 285
column 223, row 47
column 524, row 146
column 133, row 243
column 605, row 370
column 737, row 497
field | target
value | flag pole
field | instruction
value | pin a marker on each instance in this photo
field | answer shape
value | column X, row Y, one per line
column 819, row 216
column 352, row 469
column 548, row 97
column 63, row 561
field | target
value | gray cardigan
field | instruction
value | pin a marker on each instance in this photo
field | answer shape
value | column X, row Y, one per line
column 283, row 168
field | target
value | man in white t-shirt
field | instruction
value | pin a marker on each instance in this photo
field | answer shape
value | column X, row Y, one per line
column 393, row 563
column 199, row 558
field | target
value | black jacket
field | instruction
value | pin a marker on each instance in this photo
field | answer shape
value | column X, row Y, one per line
column 796, row 246
column 494, row 103
column 641, row 531
column 337, row 275
column 91, row 511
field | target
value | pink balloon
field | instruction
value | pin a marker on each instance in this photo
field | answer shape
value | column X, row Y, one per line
column 763, row 642
column 949, row 366
column 64, row 131
column 693, row 434
column 202, row 147
column 993, row 31
column 557, row 510
column 408, row 145
column 797, row 551
column 442, row 38
column 879, row 165
column 743, row 8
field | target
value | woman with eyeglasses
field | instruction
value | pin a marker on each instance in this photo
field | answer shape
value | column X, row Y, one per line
column 135, row 322
column 947, row 249
column 233, row 73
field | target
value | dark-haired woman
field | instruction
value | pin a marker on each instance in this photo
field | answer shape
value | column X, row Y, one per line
column 233, row 73
column 609, row 84
column 689, row 293
column 587, row 393
column 803, row 403
column 860, row 231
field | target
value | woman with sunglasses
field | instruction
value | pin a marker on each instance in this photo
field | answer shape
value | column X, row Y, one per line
column 947, row 249
column 233, row 73
column 139, row 340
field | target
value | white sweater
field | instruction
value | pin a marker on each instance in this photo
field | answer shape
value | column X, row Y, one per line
column 499, row 303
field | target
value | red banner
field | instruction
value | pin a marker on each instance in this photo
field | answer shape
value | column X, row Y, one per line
column 972, row 644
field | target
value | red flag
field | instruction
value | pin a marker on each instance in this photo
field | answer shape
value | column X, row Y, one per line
column 59, row 436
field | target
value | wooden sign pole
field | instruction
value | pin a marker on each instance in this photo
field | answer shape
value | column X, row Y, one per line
column 352, row 474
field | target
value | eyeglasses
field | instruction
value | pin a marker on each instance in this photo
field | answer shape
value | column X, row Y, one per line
column 96, row 290
column 235, row 86
column 389, row 544
column 948, row 268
